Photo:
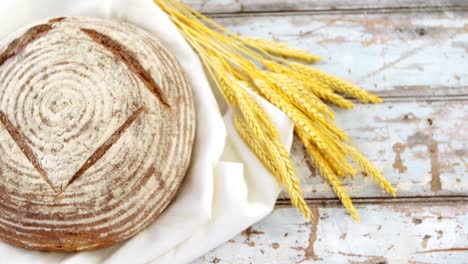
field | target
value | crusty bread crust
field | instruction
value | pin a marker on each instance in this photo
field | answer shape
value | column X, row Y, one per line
column 97, row 124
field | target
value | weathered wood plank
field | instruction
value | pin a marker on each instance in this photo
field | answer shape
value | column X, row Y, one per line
column 421, row 147
column 239, row 6
column 413, row 233
column 397, row 54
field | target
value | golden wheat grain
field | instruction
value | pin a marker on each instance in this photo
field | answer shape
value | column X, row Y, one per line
column 331, row 97
column 334, row 130
column 335, row 152
column 316, row 86
column 309, row 104
column 335, row 83
column 298, row 117
column 281, row 49
column 287, row 178
column 329, row 176
column 371, row 171
column 262, row 116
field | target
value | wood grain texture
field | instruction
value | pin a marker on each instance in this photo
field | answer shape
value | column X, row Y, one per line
column 90, row 152
column 421, row 148
column 402, row 233
column 396, row 55
column 249, row 6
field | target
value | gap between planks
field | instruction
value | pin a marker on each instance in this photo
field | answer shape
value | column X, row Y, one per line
column 248, row 7
column 334, row 12
column 334, row 202
column 391, row 97
column 395, row 98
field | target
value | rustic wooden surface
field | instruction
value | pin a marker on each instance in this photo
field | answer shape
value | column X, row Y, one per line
column 388, row 233
column 414, row 55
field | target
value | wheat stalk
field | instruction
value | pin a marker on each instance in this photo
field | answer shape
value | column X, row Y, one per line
column 335, row 83
column 281, row 49
column 297, row 89
column 284, row 173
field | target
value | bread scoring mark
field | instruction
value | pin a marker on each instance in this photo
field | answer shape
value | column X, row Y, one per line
column 150, row 172
column 18, row 45
column 102, row 150
column 130, row 60
column 47, row 224
column 56, row 20
column 20, row 140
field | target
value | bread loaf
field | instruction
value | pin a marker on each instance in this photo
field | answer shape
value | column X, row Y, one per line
column 97, row 124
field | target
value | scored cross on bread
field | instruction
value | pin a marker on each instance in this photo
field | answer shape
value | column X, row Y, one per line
column 97, row 124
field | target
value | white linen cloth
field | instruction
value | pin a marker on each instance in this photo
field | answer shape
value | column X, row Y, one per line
column 226, row 189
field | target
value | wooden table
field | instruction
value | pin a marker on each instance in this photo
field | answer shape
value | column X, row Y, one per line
column 413, row 53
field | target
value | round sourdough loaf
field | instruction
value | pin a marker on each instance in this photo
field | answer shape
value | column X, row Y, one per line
column 97, row 124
